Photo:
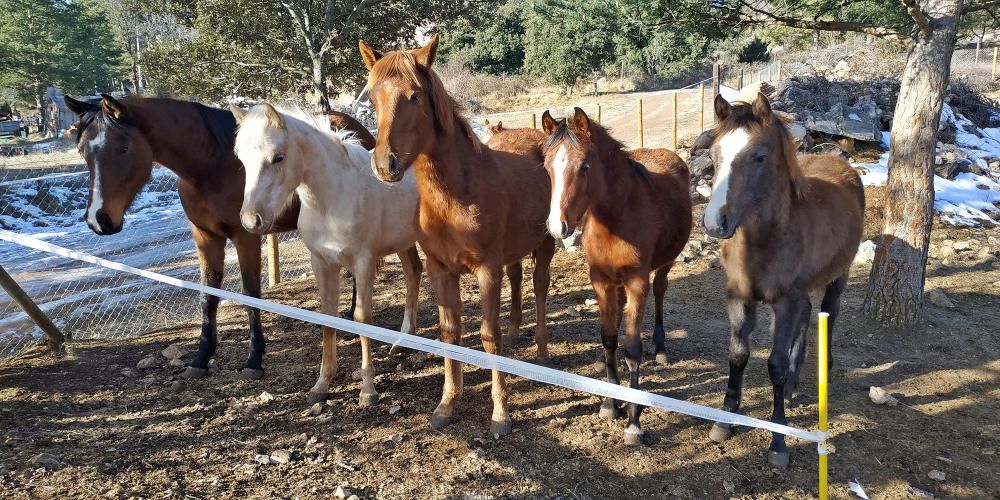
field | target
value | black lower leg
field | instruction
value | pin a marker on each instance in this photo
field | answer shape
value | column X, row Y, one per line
column 209, row 309
column 609, row 407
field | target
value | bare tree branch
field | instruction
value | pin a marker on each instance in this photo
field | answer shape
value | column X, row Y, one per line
column 761, row 16
column 918, row 16
column 330, row 38
column 981, row 5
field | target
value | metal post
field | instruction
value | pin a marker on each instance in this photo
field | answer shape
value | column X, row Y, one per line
column 701, row 105
column 640, row 123
column 53, row 337
column 533, row 125
column 273, row 266
column 598, row 112
column 675, row 121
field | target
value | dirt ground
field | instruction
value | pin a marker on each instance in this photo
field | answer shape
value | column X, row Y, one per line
column 121, row 432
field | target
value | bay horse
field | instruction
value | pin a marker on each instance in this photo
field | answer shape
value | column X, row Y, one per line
column 635, row 212
column 480, row 208
column 348, row 218
column 120, row 140
column 791, row 224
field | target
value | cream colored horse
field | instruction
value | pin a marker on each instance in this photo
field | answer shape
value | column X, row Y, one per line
column 348, row 218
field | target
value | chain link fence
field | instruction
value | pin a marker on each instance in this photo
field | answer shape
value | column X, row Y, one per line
column 43, row 193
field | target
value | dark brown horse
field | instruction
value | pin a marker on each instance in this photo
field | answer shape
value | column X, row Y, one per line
column 120, row 140
column 480, row 208
column 792, row 225
column 635, row 210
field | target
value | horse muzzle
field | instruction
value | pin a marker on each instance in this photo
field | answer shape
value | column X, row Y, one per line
column 388, row 168
column 253, row 222
column 721, row 227
column 102, row 224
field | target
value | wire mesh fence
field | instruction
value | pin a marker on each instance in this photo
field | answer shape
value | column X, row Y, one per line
column 43, row 193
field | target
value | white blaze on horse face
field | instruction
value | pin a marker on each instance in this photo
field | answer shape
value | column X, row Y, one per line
column 96, row 196
column 730, row 146
column 559, row 166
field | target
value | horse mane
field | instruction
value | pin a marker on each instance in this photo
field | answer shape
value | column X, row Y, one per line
column 741, row 116
column 607, row 145
column 220, row 124
column 99, row 118
column 449, row 114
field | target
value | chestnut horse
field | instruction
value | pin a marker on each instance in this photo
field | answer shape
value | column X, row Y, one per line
column 348, row 218
column 635, row 210
column 480, row 208
column 120, row 140
column 792, row 224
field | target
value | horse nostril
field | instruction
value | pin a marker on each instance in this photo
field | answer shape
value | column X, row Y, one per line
column 565, row 229
column 103, row 220
column 722, row 221
column 393, row 164
column 258, row 222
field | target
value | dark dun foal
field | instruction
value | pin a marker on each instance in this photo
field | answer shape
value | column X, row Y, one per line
column 636, row 214
column 791, row 224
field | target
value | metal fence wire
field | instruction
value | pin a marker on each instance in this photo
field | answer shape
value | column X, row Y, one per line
column 43, row 193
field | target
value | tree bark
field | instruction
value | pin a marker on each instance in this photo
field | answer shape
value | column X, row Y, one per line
column 320, row 94
column 53, row 337
column 896, row 284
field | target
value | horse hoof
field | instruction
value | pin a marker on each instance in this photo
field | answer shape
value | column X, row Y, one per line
column 510, row 340
column 368, row 400
column 633, row 435
column 251, row 374
column 192, row 373
column 544, row 360
column 501, row 428
column 661, row 358
column 317, row 397
column 720, row 432
column 778, row 459
column 609, row 412
column 439, row 422
column 397, row 349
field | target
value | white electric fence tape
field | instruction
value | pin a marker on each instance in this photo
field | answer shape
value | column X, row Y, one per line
column 458, row 353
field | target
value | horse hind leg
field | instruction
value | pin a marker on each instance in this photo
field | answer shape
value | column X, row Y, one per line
column 788, row 313
column 515, row 274
column 364, row 278
column 540, row 277
column 797, row 356
column 659, row 334
column 831, row 304
column 211, row 257
column 412, row 269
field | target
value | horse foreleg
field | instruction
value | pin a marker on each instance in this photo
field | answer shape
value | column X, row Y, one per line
column 412, row 269
column 787, row 317
column 659, row 333
column 248, row 251
column 449, row 301
column 742, row 320
column 515, row 274
column 637, row 290
column 211, row 259
column 540, row 279
column 328, row 282
column 607, row 302
column 364, row 277
column 489, row 292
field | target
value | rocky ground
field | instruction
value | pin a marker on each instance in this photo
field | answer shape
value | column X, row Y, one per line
column 113, row 419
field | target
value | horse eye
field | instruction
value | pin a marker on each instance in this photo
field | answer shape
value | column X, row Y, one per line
column 414, row 96
column 585, row 166
column 760, row 158
column 123, row 149
column 278, row 158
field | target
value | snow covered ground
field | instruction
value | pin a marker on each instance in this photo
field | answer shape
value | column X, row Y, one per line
column 968, row 199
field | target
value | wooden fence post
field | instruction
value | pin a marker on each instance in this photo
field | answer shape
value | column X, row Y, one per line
column 778, row 76
column 750, row 77
column 533, row 121
column 701, row 105
column 739, row 83
column 598, row 112
column 675, row 121
column 994, row 74
column 53, row 337
column 716, row 74
column 769, row 66
column 640, row 123
column 273, row 266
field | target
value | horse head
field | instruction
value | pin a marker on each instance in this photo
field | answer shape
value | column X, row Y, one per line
column 118, row 156
column 755, row 165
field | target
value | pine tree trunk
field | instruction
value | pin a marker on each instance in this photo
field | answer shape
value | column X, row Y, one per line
column 896, row 284
column 322, row 100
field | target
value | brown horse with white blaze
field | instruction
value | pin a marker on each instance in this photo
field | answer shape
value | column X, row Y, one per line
column 792, row 224
column 480, row 208
column 635, row 210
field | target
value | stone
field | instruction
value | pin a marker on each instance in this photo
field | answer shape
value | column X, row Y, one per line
column 280, row 457
column 128, row 372
column 396, row 438
column 963, row 246
column 45, row 460
column 936, row 475
column 842, row 69
column 590, row 302
column 316, row 409
column 262, row 459
column 703, row 142
column 177, row 363
column 341, row 492
column 866, row 253
column 147, row 362
column 729, row 485
column 705, row 191
column 938, row 298
column 701, row 166
column 394, row 410
column 172, row 351
column 265, row 397
column 177, row 386
column 880, row 396
column 572, row 312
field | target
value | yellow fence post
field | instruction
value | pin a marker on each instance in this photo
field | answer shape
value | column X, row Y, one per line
column 675, row 121
column 701, row 105
column 598, row 112
column 640, row 123
column 273, row 267
column 533, row 121
column 750, row 78
column 994, row 75
column 821, row 379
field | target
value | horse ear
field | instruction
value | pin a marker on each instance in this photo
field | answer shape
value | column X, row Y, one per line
column 274, row 118
column 499, row 125
column 112, row 106
column 78, row 107
column 762, row 109
column 548, row 123
column 238, row 113
column 486, row 122
column 722, row 108
column 425, row 55
column 580, row 121
column 368, row 54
